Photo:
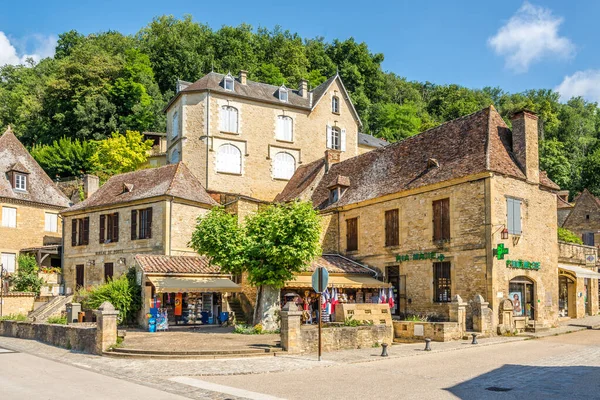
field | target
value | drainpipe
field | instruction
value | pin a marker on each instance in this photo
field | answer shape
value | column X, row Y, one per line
column 207, row 133
column 62, row 255
column 355, row 262
column 170, row 223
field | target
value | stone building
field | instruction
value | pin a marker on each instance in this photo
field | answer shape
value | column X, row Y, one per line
column 582, row 217
column 245, row 137
column 150, row 211
column 29, row 203
column 460, row 209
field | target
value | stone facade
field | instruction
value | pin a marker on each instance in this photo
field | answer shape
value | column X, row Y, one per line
column 14, row 303
column 436, row 331
column 584, row 217
column 198, row 116
column 582, row 293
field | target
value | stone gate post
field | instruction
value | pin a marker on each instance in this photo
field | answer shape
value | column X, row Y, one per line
column 458, row 312
column 106, row 327
column 290, row 328
column 482, row 315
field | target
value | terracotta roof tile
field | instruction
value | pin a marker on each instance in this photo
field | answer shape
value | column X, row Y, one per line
column 337, row 264
column 150, row 263
column 40, row 188
column 371, row 141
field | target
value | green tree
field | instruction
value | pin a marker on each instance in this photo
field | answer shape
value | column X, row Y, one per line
column 274, row 244
column 65, row 157
column 394, row 122
column 568, row 236
column 555, row 162
column 26, row 278
column 120, row 153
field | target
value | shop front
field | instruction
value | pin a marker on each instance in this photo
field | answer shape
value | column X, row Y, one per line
column 578, row 291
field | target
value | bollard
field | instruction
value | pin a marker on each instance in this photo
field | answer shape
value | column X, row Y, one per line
column 427, row 344
column 384, row 349
column 474, row 338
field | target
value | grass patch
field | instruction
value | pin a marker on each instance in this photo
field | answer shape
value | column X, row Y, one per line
column 252, row 330
column 57, row 320
column 14, row 317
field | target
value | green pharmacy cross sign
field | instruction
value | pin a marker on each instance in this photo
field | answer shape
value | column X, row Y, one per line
column 420, row 256
column 500, row 251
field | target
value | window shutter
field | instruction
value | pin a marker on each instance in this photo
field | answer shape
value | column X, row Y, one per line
column 223, row 118
column 73, row 232
column 446, row 219
column 149, row 223
column 343, row 140
column 233, row 120
column 329, row 141
column 86, row 230
column 392, row 228
column 279, row 133
column 102, row 226
column 517, row 216
column 437, row 220
column 133, row 224
column 115, row 233
column 352, row 234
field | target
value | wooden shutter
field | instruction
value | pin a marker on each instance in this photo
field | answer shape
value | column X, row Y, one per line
column 102, row 228
column 86, row 230
column 74, row 232
column 115, row 226
column 133, row 224
column 352, row 234
column 441, row 220
column 149, row 223
column 329, row 141
column 446, row 219
column 79, row 281
column 343, row 140
column 392, row 234
column 108, row 271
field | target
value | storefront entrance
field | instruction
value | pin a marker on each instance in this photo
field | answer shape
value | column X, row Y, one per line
column 566, row 297
column 521, row 292
column 398, row 283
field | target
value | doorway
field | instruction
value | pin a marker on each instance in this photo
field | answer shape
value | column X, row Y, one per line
column 398, row 283
column 521, row 292
column 79, row 278
column 566, row 297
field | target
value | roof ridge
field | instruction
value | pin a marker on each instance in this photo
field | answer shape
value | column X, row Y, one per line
column 173, row 178
column 488, row 137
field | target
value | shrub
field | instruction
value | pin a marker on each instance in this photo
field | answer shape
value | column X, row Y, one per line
column 349, row 321
column 57, row 320
column 26, row 279
column 14, row 317
column 568, row 236
column 251, row 330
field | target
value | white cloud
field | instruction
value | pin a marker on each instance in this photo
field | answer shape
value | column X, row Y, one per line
column 582, row 83
column 530, row 35
column 42, row 46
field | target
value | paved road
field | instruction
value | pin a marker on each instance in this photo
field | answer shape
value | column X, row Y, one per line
column 561, row 367
column 27, row 377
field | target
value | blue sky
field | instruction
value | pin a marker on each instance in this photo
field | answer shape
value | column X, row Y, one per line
column 512, row 44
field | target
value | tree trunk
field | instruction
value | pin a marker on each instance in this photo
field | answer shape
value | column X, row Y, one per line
column 266, row 311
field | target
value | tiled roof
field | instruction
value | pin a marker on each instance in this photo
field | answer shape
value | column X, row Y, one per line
column 150, row 263
column 336, row 264
column 476, row 143
column 371, row 141
column 303, row 182
column 40, row 188
column 560, row 203
column 172, row 180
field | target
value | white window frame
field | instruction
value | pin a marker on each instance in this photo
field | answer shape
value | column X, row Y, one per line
column 282, row 169
column 335, row 105
column 336, row 138
column 50, row 222
column 175, row 125
column 229, row 159
column 229, row 83
column 9, row 217
column 283, row 94
column 285, row 128
column 229, row 119
column 9, row 262
column 20, row 181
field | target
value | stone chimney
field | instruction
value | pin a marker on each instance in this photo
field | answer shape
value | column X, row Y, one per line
column 525, row 143
column 331, row 157
column 91, row 183
column 243, row 76
column 303, row 88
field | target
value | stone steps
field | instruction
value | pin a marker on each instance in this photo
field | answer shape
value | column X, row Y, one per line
column 53, row 307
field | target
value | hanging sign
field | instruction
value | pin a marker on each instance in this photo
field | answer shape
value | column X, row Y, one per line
column 420, row 256
column 520, row 264
column 500, row 251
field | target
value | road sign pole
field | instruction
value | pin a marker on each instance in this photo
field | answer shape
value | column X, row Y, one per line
column 320, row 309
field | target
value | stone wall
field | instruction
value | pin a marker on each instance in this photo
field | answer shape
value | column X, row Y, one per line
column 574, row 253
column 436, row 331
column 17, row 303
column 585, row 216
column 78, row 337
column 183, row 224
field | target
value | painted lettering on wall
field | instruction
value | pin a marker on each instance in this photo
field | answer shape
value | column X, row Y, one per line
column 420, row 256
column 520, row 264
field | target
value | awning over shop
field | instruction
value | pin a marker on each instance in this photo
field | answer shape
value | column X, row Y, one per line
column 340, row 281
column 193, row 284
column 580, row 272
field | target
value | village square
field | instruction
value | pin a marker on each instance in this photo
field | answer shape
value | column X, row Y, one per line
column 258, row 227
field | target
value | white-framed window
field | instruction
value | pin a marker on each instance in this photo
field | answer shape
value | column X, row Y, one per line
column 284, row 165
column 51, row 222
column 9, row 217
column 175, row 125
column 228, row 82
column 9, row 261
column 283, row 93
column 335, row 105
column 229, row 159
column 175, row 156
column 284, row 128
column 513, row 215
column 229, row 119
column 20, row 181
column 336, row 138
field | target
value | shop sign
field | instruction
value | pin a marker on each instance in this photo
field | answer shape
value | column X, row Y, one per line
column 500, row 251
column 420, row 256
column 520, row 264
column 590, row 259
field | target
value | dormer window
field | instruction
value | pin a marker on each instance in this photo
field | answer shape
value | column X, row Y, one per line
column 283, row 93
column 20, row 181
column 229, row 82
column 334, row 194
column 338, row 188
column 335, row 105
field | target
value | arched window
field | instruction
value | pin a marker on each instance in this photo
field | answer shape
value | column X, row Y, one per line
column 228, row 82
column 283, row 93
column 229, row 119
column 284, row 165
column 175, row 125
column 521, row 293
column 229, row 159
column 284, row 128
column 175, row 156
column 335, row 104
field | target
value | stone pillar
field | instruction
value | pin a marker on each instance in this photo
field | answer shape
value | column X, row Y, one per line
column 458, row 312
column 482, row 317
column 291, row 336
column 106, row 327
column 506, row 310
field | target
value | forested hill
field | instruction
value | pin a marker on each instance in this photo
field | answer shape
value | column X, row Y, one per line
column 108, row 82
